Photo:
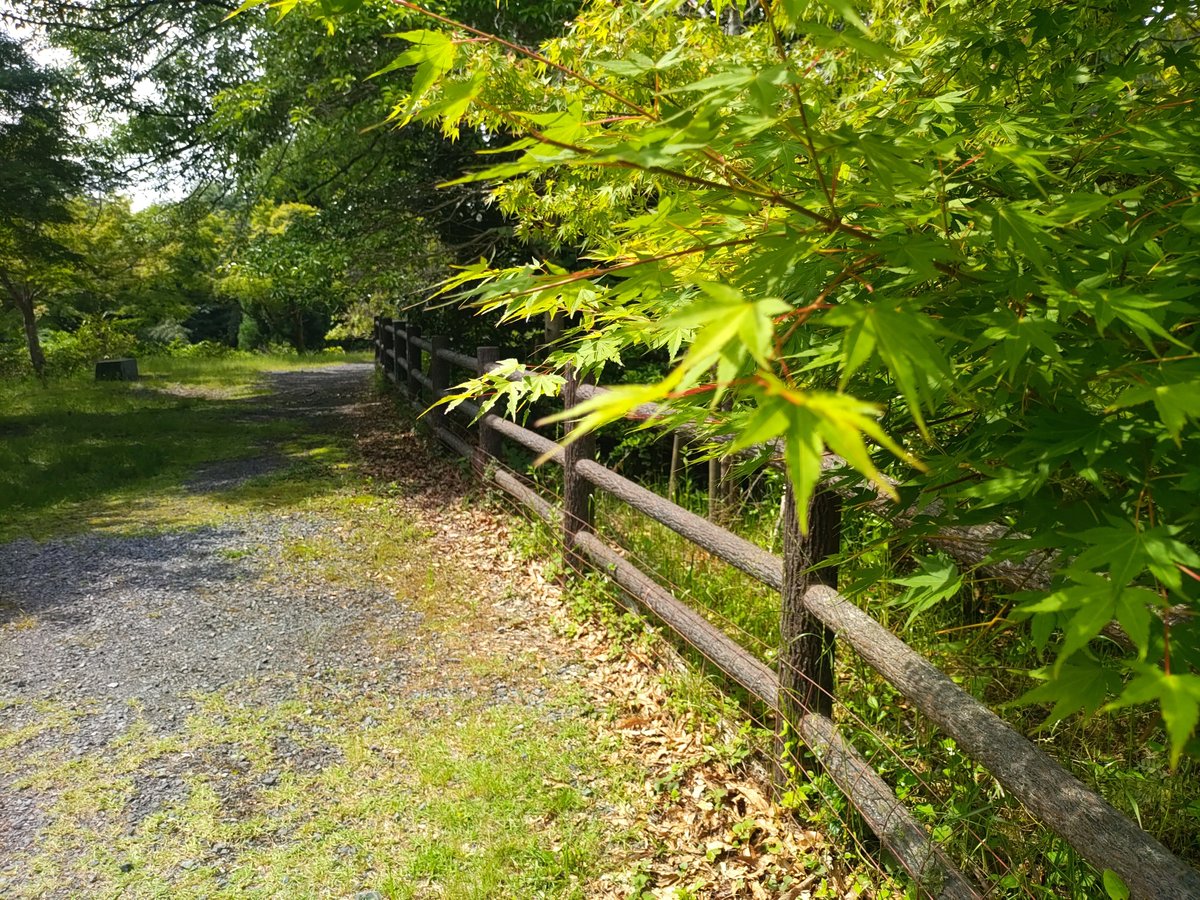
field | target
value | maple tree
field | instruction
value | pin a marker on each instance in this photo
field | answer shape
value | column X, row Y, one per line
column 953, row 243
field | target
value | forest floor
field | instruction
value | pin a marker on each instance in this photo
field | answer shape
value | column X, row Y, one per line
column 312, row 661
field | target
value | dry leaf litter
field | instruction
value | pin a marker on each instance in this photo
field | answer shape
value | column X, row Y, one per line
column 705, row 829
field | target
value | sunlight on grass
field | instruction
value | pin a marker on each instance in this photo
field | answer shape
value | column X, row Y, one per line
column 237, row 371
column 482, row 800
column 76, row 454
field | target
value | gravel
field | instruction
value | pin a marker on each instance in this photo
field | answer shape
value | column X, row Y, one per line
column 131, row 629
column 155, row 619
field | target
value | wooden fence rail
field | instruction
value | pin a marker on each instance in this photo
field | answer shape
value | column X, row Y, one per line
column 812, row 614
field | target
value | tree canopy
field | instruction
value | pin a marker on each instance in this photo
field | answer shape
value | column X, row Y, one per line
column 954, row 244
column 39, row 173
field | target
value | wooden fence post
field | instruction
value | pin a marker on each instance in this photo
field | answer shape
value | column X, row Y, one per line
column 439, row 376
column 577, row 491
column 488, row 448
column 398, row 350
column 414, row 361
column 555, row 325
column 377, row 339
column 806, row 651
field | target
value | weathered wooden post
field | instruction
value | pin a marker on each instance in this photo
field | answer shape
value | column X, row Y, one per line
column 439, row 376
column 488, row 448
column 399, row 350
column 377, row 338
column 806, row 651
column 414, row 361
column 555, row 325
column 714, row 481
column 577, row 491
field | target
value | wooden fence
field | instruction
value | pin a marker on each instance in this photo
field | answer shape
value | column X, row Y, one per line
column 813, row 616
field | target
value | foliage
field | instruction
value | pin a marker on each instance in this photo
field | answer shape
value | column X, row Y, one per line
column 279, row 278
column 260, row 110
column 961, row 233
column 147, row 72
column 38, row 173
column 103, row 266
column 71, row 352
column 37, row 170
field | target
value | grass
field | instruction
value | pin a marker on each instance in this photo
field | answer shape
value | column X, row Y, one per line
column 459, row 798
column 237, row 372
column 481, row 801
column 735, row 733
column 74, row 452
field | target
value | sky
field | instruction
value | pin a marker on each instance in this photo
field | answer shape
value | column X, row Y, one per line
column 142, row 192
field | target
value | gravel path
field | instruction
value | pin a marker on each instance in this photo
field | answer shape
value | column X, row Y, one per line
column 323, row 698
column 104, row 634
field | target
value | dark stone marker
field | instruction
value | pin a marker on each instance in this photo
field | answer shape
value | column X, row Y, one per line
column 116, row 370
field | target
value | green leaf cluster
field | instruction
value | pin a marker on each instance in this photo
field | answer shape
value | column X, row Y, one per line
column 956, row 233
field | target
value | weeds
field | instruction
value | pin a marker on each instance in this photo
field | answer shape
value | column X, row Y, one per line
column 76, row 453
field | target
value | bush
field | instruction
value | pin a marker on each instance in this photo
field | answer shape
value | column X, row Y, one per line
column 250, row 335
column 200, row 350
column 166, row 333
column 279, row 348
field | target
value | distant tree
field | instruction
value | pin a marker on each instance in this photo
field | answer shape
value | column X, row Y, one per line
column 264, row 108
column 286, row 279
column 139, row 267
column 39, row 172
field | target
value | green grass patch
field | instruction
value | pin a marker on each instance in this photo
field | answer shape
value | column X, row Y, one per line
column 236, row 372
column 76, row 447
column 76, row 454
column 474, row 800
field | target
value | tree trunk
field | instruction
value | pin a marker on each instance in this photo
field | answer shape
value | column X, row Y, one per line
column 23, row 299
column 673, row 478
column 298, row 329
column 806, row 654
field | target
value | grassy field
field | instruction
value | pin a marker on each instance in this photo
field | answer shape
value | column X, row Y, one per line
column 74, row 450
